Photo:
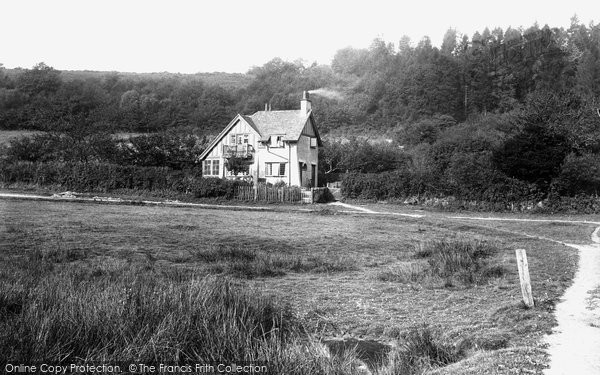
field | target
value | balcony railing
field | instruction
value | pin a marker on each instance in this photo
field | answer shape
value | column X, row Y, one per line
column 239, row 151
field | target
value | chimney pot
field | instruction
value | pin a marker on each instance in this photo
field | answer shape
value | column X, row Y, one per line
column 305, row 104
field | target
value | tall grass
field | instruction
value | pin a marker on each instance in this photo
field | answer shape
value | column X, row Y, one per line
column 138, row 316
column 243, row 262
column 464, row 260
column 123, row 311
column 419, row 350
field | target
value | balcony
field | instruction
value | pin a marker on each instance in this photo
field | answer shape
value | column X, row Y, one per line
column 244, row 151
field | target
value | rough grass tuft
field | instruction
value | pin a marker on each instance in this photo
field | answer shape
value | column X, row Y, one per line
column 419, row 349
column 450, row 260
column 242, row 262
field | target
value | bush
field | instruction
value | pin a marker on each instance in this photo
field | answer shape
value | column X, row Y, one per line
column 95, row 177
column 212, row 187
column 322, row 195
column 578, row 175
column 377, row 186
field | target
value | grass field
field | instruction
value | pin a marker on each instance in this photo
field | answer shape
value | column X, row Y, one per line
column 342, row 276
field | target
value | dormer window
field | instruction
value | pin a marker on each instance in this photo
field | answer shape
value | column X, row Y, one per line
column 277, row 141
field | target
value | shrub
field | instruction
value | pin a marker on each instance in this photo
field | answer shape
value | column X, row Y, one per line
column 578, row 175
column 212, row 187
column 378, row 186
column 322, row 195
column 94, row 177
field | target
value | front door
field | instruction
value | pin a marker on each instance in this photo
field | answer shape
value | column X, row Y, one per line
column 300, row 169
column 313, row 171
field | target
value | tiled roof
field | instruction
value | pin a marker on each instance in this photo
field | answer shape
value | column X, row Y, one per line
column 289, row 124
column 286, row 123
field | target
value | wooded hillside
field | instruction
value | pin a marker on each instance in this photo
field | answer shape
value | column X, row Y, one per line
column 501, row 115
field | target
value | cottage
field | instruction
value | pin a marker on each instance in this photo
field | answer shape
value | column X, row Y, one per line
column 269, row 146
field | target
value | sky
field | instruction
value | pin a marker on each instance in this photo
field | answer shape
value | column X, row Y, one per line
column 185, row 36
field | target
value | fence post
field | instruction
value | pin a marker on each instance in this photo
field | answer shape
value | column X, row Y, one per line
column 524, row 277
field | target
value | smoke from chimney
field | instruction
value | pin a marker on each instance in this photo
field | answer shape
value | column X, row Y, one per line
column 327, row 93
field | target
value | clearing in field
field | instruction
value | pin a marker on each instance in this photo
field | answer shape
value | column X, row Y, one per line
column 133, row 283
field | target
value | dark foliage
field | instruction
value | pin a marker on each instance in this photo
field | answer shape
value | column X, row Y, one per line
column 104, row 177
column 490, row 117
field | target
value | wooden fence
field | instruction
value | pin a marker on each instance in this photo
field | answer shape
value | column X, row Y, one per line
column 266, row 193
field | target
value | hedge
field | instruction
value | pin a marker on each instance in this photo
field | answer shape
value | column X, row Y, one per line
column 104, row 177
column 406, row 184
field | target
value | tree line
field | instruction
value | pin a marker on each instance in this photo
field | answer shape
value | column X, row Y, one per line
column 516, row 108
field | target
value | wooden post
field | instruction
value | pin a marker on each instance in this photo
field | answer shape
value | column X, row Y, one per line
column 524, row 277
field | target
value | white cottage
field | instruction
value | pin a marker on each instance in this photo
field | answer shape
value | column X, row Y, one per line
column 270, row 146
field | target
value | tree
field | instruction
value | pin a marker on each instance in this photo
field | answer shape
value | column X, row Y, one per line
column 579, row 174
column 534, row 155
column 40, row 80
column 449, row 43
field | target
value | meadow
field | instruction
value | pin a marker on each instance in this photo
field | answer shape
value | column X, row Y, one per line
column 84, row 282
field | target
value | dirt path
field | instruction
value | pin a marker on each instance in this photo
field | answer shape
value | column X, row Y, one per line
column 574, row 345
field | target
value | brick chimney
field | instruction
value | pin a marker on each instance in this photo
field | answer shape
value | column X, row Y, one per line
column 305, row 104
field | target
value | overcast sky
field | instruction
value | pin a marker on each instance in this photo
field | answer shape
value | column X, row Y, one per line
column 233, row 35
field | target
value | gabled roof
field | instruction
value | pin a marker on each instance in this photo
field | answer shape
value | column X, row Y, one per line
column 289, row 124
column 224, row 132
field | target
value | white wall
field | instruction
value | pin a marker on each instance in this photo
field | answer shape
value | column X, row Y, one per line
column 291, row 153
column 241, row 127
column 274, row 155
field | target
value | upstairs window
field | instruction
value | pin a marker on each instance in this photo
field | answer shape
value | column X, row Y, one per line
column 277, row 141
column 238, row 139
column 313, row 143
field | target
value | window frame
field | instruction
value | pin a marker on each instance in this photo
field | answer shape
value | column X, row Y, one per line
column 270, row 167
column 210, row 166
column 276, row 141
